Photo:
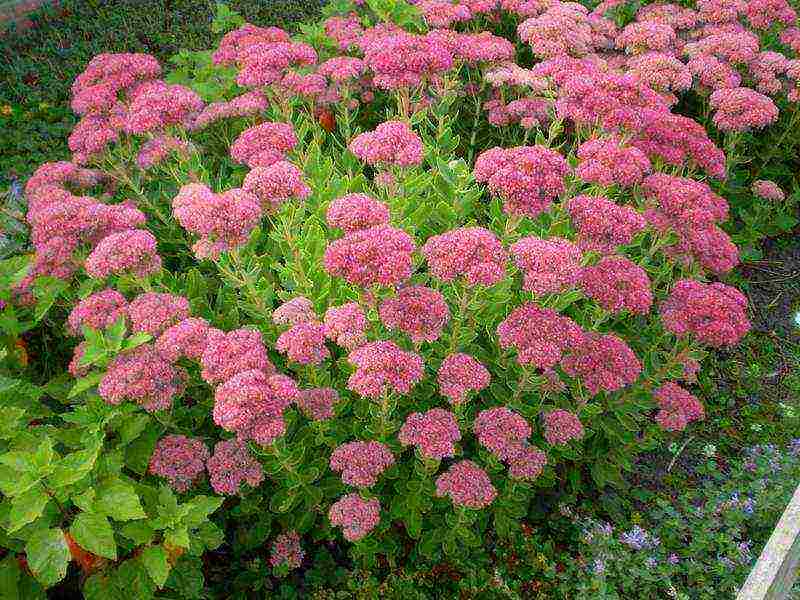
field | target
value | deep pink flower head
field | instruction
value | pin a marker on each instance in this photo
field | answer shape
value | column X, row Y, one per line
column 317, row 403
column 264, row 145
column 473, row 253
column 719, row 11
column 180, row 460
column 342, row 68
column 383, row 367
column 361, row 463
column 286, row 550
column 677, row 407
column 132, row 251
column 234, row 42
column 354, row 212
column 474, row 48
column 400, row 60
column 561, row 426
column 527, row 463
column 61, row 174
column 297, row 310
column 90, row 138
column 527, row 178
column 142, row 376
column 549, row 266
column 434, row 432
column 616, row 284
column 712, row 313
column 540, row 335
column 602, row 225
column 152, row 312
column 227, row 354
column 114, row 72
column 418, row 311
column 264, row 64
column 467, row 485
column 443, row 13
column 251, row 404
column 376, row 256
column 98, row 311
column 460, row 374
column 184, row 339
column 392, row 143
column 160, row 105
column 762, row 14
column 276, row 184
column 607, row 161
column 231, row 465
column 562, row 29
column 346, row 325
column 501, row 431
column 602, row 362
column 344, row 30
column 767, row 190
column 741, row 109
column 355, row 515
column 304, row 343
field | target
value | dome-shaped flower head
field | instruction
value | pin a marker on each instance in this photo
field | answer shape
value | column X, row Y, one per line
column 540, row 335
column 317, row 403
column 180, row 460
column 434, row 432
column 763, row 14
column 549, row 266
column 111, row 72
column 142, row 376
column 767, row 190
column 361, row 463
column 562, row 29
column 158, row 106
column 342, row 68
column 718, row 11
column 460, row 374
column 286, row 551
column 527, row 463
column 346, row 325
column 383, row 367
column 132, row 251
column 443, row 13
column 184, row 339
column 402, row 60
column 263, row 145
column 152, row 312
column 355, row 515
column 616, row 284
column 231, row 465
column 91, row 137
column 375, row 256
column 393, row 143
column 344, row 30
column 712, row 313
column 304, row 343
column 276, row 184
column 354, row 212
column 227, row 354
column 264, row 64
column 62, row 175
column 607, row 161
column 501, row 431
column 680, row 203
column 527, row 178
column 418, row 311
column 474, row 48
column 297, row 310
column 467, row 485
column 561, row 426
column 98, row 311
column 234, row 42
column 663, row 72
column 677, row 407
column 602, row 225
column 741, row 109
column 245, row 105
column 602, row 362
column 641, row 37
column 473, row 253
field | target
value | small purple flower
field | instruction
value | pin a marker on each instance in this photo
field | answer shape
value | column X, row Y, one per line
column 638, row 539
column 673, row 559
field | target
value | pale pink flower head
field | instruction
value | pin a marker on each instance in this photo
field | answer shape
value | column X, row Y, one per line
column 184, row 339
column 719, row 11
column 617, row 283
column 433, row 432
column 460, row 374
column 607, row 161
column 393, row 143
column 317, row 403
column 286, row 551
column 539, row 335
column 602, row 225
column 276, row 184
column 98, row 311
column 742, row 109
column 527, row 464
column 227, row 354
column 602, row 362
column 264, row 64
column 264, row 145
column 354, row 212
column 132, row 251
column 355, row 515
column 467, row 485
column 304, row 343
column 418, row 311
column 763, row 14
column 376, row 256
column 158, row 106
column 245, row 105
column 383, row 367
column 180, row 460
column 443, row 13
column 643, row 36
column 153, row 312
column 361, row 463
column 474, row 48
column 90, row 138
column 561, row 426
column 346, row 325
column 342, row 68
column 472, row 253
column 767, row 190
column 712, row 313
column 677, row 407
column 765, row 69
column 562, row 29
column 297, row 310
column 549, row 266
column 142, row 376
column 501, row 431
column 713, row 73
column 231, row 465
column 235, row 42
column 671, row 14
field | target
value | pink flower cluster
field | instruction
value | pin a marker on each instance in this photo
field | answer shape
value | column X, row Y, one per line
column 354, row 212
column 142, row 376
column 383, row 367
column 433, row 432
column 767, row 190
column 392, row 143
column 128, row 252
column 180, row 460
column 602, row 362
column 602, row 226
column 355, row 515
column 184, row 339
column 402, row 60
column 234, row 43
column 346, row 325
column 467, row 485
column 317, row 403
column 228, row 354
column 473, row 253
column 304, row 343
column 540, row 335
column 265, row 63
column 245, row 105
column 157, row 105
column 297, row 310
column 153, row 312
column 231, row 465
column 607, row 161
column 562, row 29
column 276, row 184
column 677, row 407
column 561, row 426
column 286, row 551
column 376, row 256
column 361, row 463
column 96, row 89
column 548, row 266
column 263, row 145
column 505, row 433
column 741, row 109
column 617, row 283
column 460, row 374
column 98, row 311
column 418, row 311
